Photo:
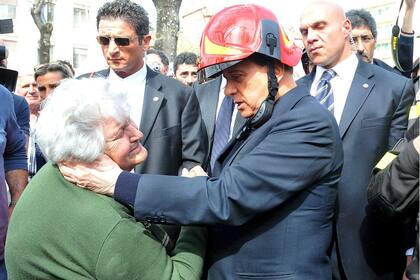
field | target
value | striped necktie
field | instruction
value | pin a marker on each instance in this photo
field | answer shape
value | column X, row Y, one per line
column 324, row 92
column 222, row 129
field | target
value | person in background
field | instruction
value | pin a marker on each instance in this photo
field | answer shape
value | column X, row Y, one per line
column 370, row 105
column 185, row 68
column 20, row 105
column 60, row 231
column 13, row 166
column 49, row 75
column 364, row 36
column 393, row 193
column 27, row 87
column 158, row 61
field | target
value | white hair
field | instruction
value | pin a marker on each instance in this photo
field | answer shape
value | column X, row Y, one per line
column 70, row 126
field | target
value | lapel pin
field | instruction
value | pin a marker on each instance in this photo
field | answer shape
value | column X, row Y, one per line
column 365, row 86
column 155, row 98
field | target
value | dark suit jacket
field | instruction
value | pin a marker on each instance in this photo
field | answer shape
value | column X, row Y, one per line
column 208, row 98
column 374, row 118
column 22, row 113
column 270, row 209
column 174, row 134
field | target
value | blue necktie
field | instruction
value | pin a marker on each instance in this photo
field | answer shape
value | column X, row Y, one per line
column 324, row 93
column 222, row 129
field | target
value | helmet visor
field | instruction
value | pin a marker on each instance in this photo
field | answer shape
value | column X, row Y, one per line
column 211, row 72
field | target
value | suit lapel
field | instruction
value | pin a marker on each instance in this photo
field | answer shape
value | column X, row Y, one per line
column 210, row 98
column 239, row 123
column 151, row 104
column 360, row 89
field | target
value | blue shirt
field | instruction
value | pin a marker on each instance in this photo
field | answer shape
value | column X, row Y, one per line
column 12, row 155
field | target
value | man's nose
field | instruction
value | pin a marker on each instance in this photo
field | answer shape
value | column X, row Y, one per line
column 311, row 36
column 32, row 89
column 112, row 48
column 189, row 79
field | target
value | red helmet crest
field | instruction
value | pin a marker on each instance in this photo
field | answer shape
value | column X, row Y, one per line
column 237, row 32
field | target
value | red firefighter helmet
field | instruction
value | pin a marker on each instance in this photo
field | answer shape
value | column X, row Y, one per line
column 237, row 32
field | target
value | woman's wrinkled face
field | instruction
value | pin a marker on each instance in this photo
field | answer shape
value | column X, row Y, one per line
column 123, row 143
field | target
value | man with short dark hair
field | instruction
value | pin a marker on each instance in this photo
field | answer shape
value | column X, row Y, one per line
column 364, row 35
column 185, row 68
column 165, row 111
column 49, row 75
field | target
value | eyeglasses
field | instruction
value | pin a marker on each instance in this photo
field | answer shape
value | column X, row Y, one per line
column 119, row 41
column 365, row 39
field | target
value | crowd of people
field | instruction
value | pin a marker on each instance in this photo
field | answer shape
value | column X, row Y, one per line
column 223, row 167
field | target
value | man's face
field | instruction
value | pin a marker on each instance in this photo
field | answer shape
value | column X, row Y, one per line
column 186, row 73
column 325, row 34
column 124, row 60
column 123, row 143
column 247, row 84
column 364, row 42
column 47, row 83
column 27, row 88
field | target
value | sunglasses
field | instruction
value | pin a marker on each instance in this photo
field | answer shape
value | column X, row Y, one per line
column 119, row 41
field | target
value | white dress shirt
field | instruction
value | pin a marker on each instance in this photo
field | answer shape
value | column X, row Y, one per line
column 340, row 84
column 134, row 85
column 219, row 103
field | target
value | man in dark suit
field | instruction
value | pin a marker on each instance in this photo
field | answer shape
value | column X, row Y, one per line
column 167, row 112
column 270, row 203
column 370, row 104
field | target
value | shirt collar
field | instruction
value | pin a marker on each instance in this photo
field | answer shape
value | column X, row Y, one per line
column 344, row 69
column 140, row 75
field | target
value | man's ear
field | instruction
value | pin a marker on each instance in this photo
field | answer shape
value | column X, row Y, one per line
column 146, row 41
column 346, row 28
column 279, row 70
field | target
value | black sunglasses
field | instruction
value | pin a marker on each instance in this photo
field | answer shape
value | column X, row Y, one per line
column 119, row 41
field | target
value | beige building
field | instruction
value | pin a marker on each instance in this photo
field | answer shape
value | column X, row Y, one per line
column 73, row 37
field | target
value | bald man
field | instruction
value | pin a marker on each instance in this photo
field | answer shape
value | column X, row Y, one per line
column 370, row 105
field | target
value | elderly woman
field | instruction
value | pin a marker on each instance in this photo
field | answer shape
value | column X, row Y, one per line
column 60, row 231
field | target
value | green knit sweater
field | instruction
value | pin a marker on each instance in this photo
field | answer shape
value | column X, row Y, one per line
column 60, row 231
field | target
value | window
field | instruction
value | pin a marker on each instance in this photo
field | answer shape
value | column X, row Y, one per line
column 48, row 11
column 79, row 57
column 7, row 11
column 80, row 17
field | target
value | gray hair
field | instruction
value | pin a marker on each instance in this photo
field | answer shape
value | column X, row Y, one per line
column 361, row 18
column 70, row 126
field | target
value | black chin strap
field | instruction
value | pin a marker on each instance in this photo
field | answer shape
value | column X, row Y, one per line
column 273, row 85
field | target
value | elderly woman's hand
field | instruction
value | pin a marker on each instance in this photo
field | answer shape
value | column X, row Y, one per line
column 99, row 176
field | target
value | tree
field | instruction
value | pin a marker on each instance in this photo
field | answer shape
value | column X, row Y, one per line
column 167, row 26
column 45, row 30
